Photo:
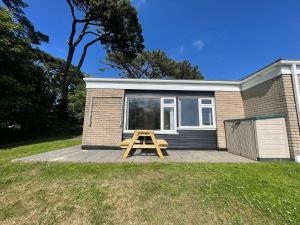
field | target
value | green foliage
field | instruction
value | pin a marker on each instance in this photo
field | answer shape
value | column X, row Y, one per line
column 152, row 65
column 53, row 68
column 76, row 102
column 30, row 88
column 23, row 90
column 16, row 7
column 9, row 44
column 114, row 22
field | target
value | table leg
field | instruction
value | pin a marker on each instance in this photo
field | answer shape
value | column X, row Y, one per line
column 161, row 156
column 135, row 136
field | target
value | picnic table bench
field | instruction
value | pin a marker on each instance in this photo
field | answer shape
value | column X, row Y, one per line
column 145, row 143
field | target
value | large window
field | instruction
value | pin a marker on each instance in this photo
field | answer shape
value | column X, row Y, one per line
column 153, row 113
column 143, row 113
column 196, row 113
column 160, row 113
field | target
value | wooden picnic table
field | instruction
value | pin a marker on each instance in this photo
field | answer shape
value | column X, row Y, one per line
column 135, row 143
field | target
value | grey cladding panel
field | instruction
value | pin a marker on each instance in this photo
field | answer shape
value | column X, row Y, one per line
column 188, row 139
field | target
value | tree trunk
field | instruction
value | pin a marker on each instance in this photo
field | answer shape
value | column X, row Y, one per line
column 64, row 84
column 65, row 73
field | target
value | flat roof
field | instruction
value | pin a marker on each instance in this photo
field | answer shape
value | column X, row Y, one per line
column 270, row 71
column 167, row 81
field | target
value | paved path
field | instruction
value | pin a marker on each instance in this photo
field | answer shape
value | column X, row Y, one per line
column 75, row 154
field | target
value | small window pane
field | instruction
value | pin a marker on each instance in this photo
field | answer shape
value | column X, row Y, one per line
column 168, row 101
column 144, row 113
column 189, row 112
column 206, row 101
column 207, row 116
column 169, row 118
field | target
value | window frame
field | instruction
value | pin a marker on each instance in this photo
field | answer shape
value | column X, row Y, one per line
column 212, row 106
column 168, row 105
column 177, row 114
column 162, row 106
column 200, row 106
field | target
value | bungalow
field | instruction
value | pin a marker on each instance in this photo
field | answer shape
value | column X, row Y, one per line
column 189, row 114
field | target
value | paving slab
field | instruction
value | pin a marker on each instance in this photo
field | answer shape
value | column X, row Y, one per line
column 76, row 154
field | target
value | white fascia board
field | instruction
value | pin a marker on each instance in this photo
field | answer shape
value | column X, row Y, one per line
column 290, row 62
column 143, row 84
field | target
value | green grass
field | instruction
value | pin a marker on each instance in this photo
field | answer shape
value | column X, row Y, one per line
column 64, row 193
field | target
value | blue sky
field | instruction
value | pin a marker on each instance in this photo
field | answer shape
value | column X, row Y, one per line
column 227, row 39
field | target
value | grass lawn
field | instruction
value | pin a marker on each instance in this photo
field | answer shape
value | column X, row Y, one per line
column 64, row 193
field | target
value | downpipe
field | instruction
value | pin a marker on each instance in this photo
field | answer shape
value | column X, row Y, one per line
column 297, row 98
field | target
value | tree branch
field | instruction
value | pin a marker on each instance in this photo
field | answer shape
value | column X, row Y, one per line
column 81, row 35
column 95, row 24
column 113, row 65
column 72, row 9
column 91, row 32
column 72, row 34
column 124, row 66
column 83, row 20
column 84, row 52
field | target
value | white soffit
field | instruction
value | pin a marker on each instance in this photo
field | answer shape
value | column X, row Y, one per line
column 260, row 77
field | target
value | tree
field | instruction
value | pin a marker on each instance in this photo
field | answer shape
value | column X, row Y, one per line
column 53, row 68
column 152, row 65
column 23, row 89
column 112, row 23
column 16, row 8
column 76, row 102
column 30, row 82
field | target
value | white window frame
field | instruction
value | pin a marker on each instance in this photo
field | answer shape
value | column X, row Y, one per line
column 162, row 105
column 200, row 106
column 212, row 106
column 167, row 105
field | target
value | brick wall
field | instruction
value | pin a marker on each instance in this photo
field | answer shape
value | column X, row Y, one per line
column 103, row 118
column 229, row 105
column 292, row 120
column 265, row 98
column 275, row 96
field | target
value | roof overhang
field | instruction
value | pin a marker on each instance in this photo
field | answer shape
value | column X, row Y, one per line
column 279, row 67
column 273, row 70
column 168, row 85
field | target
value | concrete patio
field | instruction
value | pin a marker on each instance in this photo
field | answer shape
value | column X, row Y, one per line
column 75, row 154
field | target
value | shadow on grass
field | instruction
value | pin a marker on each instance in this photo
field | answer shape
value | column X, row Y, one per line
column 35, row 140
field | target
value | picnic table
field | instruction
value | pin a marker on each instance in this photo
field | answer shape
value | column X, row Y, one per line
column 136, row 143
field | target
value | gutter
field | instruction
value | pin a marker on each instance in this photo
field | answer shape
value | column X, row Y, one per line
column 296, row 90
